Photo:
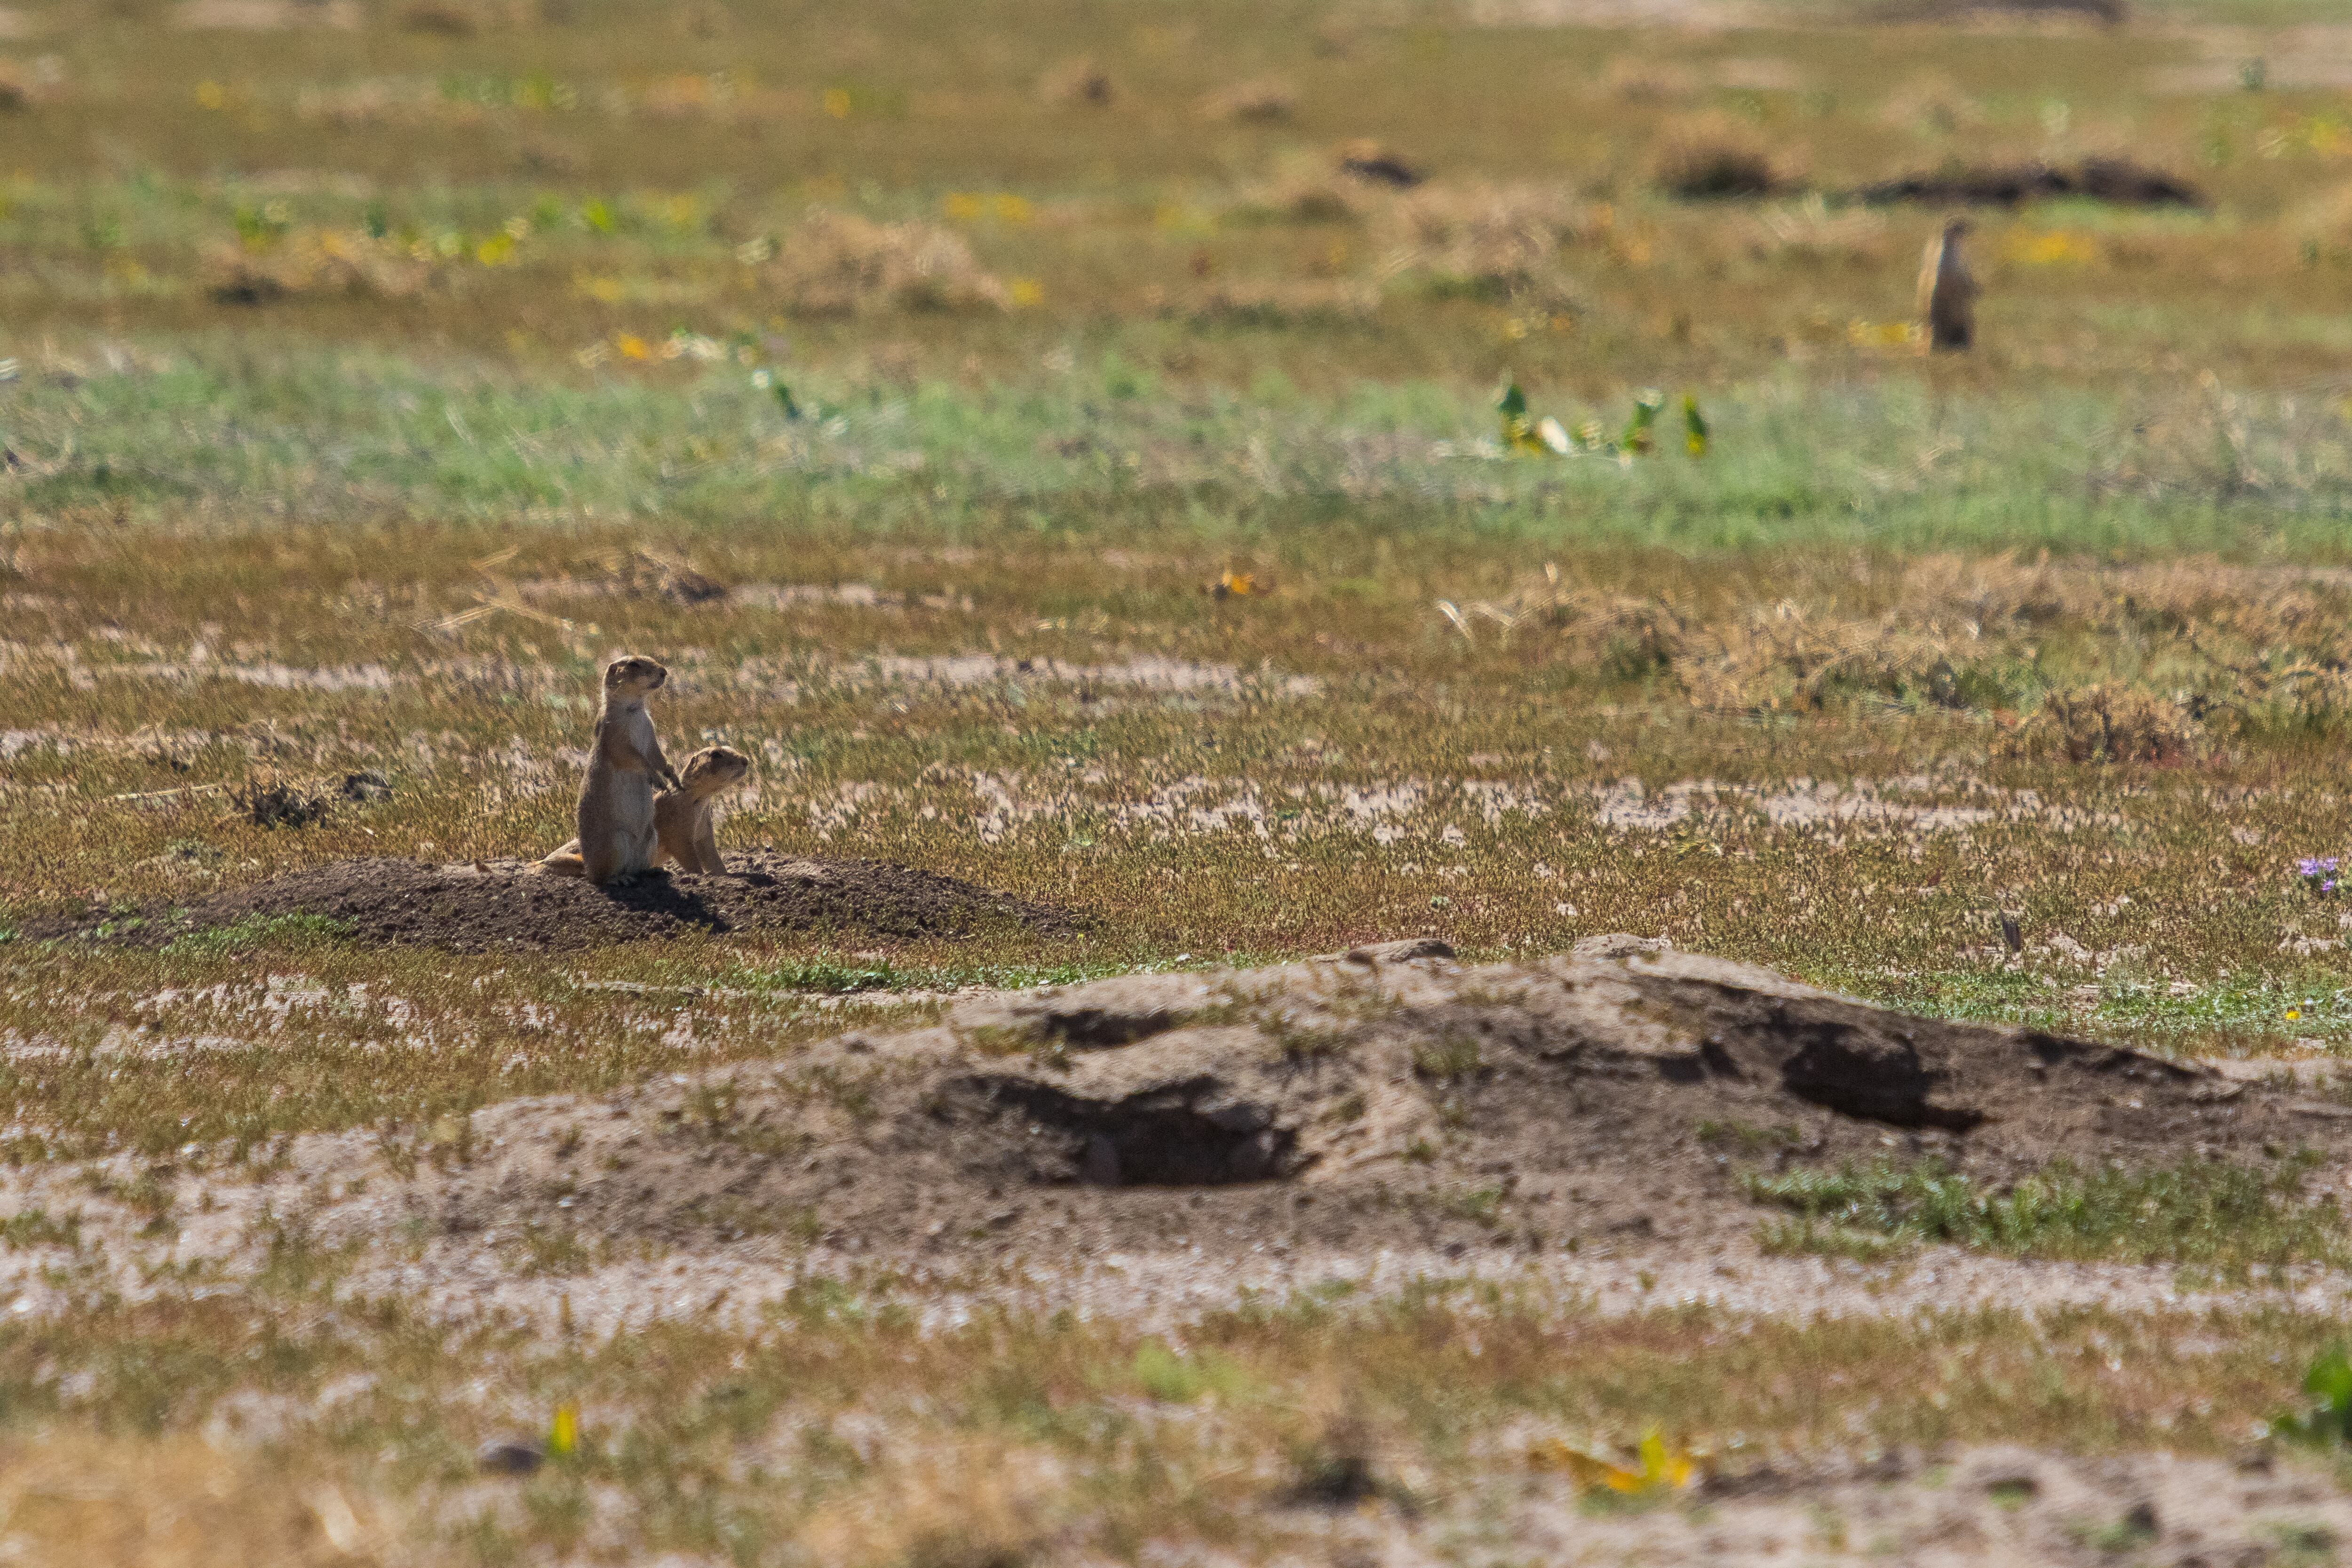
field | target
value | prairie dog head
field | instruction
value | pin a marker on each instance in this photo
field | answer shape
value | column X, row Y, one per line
column 712, row 768
column 632, row 675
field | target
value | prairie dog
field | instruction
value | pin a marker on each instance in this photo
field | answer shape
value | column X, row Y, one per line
column 617, row 840
column 1947, row 290
column 682, row 829
column 682, row 816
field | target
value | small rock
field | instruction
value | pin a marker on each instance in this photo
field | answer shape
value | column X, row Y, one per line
column 1618, row 946
column 508, row 1457
column 1404, row 951
column 2140, row 1521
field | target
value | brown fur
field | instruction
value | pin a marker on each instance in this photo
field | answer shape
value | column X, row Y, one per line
column 1948, row 290
column 617, row 840
column 682, row 816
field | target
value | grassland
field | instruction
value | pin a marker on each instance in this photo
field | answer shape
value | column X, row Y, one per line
column 369, row 373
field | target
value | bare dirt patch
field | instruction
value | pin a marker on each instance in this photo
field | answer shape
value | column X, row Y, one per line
column 1386, row 1100
column 1985, row 1505
column 479, row 905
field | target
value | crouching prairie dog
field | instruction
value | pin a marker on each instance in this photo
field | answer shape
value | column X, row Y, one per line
column 617, row 837
column 682, row 816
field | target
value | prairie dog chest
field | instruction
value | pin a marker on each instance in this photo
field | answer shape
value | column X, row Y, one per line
column 639, row 725
column 628, row 736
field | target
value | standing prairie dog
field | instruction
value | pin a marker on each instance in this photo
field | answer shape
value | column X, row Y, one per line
column 617, row 838
column 1947, row 290
column 682, row 816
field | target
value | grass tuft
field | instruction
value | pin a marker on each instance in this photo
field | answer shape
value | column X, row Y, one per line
column 268, row 799
column 838, row 264
column 1714, row 156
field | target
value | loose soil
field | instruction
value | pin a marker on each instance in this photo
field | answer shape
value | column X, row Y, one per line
column 479, row 906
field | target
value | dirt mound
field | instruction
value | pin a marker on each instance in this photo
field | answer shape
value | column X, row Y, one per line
column 471, row 907
column 1388, row 1097
column 2118, row 181
column 2111, row 12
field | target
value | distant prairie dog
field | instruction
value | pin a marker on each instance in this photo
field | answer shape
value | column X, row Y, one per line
column 1947, row 290
column 617, row 838
column 682, row 816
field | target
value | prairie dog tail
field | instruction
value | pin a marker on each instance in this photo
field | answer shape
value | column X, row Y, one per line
column 564, row 862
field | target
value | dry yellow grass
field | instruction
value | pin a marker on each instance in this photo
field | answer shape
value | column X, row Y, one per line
column 180, row 1502
column 2259, row 650
column 1808, row 232
column 1078, row 81
column 968, row 1505
column 838, row 264
column 1931, row 103
column 2323, row 223
column 2111, row 724
column 1501, row 240
column 1279, row 303
column 1308, row 187
column 1262, row 99
column 1649, row 79
column 333, row 262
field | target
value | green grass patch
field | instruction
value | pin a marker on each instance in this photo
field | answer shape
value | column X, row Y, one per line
column 259, row 931
column 37, row 1227
column 2224, row 1015
column 2209, row 1213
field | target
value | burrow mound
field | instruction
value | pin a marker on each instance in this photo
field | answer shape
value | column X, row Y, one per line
column 482, row 906
column 1376, row 1100
column 2118, row 181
